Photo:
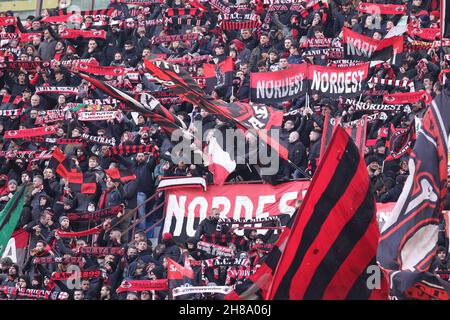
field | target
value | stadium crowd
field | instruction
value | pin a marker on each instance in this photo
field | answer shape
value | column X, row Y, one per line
column 274, row 44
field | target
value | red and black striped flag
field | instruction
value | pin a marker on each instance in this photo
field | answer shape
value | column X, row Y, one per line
column 409, row 237
column 60, row 163
column 333, row 240
column 147, row 105
column 256, row 119
column 357, row 131
column 79, row 182
column 327, row 252
column 125, row 149
column 123, row 175
column 218, row 75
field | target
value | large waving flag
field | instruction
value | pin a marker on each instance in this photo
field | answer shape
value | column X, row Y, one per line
column 327, row 252
column 257, row 119
column 408, row 240
column 79, row 182
column 148, row 105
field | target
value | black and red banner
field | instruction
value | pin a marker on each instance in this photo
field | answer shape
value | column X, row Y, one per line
column 278, row 86
column 238, row 201
column 336, row 82
column 371, row 107
column 358, row 46
column 218, row 75
column 177, row 275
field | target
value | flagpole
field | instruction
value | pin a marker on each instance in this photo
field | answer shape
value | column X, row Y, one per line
column 299, row 169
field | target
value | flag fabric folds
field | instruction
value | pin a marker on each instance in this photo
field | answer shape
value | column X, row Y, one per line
column 10, row 215
column 408, row 239
column 326, row 249
column 79, row 182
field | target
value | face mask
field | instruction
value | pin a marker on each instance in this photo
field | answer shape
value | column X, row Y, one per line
column 91, row 209
column 2, row 182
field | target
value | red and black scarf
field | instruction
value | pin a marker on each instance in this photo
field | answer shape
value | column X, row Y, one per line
column 132, row 149
column 96, row 215
column 33, row 132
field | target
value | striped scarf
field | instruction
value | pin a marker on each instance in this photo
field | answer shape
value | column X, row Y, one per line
column 237, row 21
column 132, row 149
column 54, row 140
column 219, row 237
column 392, row 82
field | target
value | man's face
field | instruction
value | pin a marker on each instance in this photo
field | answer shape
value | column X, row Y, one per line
column 215, row 214
column 140, row 157
column 65, row 223
column 374, row 166
column 326, row 110
column 104, row 292
column 48, row 173
column 12, row 271
column 293, row 137
column 92, row 45
column 46, row 219
column 35, row 101
column 142, row 246
column 37, row 182
column 287, row 43
column 243, row 67
column 25, row 177
column 283, row 63
column 93, row 163
column 441, row 255
column 36, row 25
column 219, row 51
column 40, row 247
column 345, row 7
column 264, row 39
column 129, row 47
column 81, row 244
column 132, row 252
column 33, row 114
column 204, row 113
column 246, row 34
column 78, row 295
column 85, row 285
column 289, row 125
column 12, row 187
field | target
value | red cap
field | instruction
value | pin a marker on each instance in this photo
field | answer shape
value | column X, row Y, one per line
column 167, row 236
